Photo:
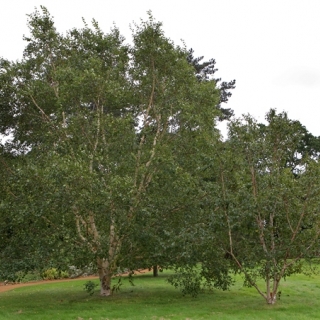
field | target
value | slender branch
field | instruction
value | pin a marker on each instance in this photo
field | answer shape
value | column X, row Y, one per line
column 287, row 215
column 305, row 206
column 144, row 182
column 93, row 228
column 146, row 123
column 79, row 219
column 79, row 230
column 259, row 220
column 43, row 113
column 5, row 164
column 97, row 137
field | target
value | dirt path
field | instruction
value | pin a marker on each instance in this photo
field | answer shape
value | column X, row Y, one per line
column 6, row 287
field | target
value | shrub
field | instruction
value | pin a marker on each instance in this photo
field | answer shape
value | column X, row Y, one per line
column 54, row 273
column 90, row 286
column 187, row 280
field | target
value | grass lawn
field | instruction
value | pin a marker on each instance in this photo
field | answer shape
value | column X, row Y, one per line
column 153, row 298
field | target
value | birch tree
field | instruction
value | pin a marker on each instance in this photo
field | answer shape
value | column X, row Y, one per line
column 271, row 214
column 99, row 121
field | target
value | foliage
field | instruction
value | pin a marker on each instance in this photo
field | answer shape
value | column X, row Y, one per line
column 188, row 281
column 205, row 72
column 90, row 286
column 54, row 273
column 116, row 163
column 97, row 124
column 270, row 210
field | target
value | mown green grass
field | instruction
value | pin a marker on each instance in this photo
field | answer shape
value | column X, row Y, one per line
column 153, row 298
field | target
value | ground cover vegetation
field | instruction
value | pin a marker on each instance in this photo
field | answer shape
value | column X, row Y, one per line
column 151, row 298
column 116, row 163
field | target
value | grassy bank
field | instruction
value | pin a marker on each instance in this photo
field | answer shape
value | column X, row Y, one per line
column 153, row 298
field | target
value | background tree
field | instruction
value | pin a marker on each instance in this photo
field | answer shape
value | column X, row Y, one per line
column 270, row 214
column 205, row 72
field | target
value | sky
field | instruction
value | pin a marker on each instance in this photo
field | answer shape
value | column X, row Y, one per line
column 271, row 47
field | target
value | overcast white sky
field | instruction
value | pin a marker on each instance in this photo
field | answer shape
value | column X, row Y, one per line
column 271, row 47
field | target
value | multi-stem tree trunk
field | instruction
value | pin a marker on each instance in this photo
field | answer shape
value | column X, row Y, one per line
column 271, row 298
column 272, row 292
column 105, row 276
column 107, row 266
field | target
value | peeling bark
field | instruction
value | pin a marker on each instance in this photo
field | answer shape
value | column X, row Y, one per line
column 107, row 266
column 105, row 276
column 271, row 298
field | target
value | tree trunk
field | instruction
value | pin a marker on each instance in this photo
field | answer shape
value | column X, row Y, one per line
column 107, row 266
column 271, row 298
column 105, row 276
column 155, row 271
column 272, row 290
